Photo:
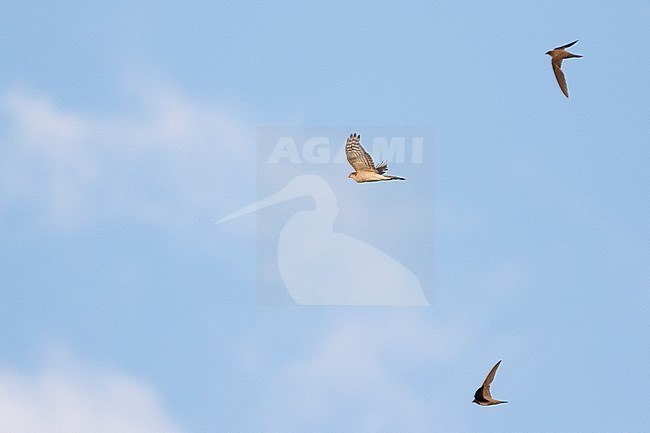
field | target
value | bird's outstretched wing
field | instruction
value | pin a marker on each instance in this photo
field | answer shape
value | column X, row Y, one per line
column 358, row 157
column 559, row 75
column 488, row 381
column 566, row 46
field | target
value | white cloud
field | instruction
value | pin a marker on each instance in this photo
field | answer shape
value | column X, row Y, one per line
column 45, row 156
column 40, row 121
column 164, row 159
column 358, row 377
column 62, row 401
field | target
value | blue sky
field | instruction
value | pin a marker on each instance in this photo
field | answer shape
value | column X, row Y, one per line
column 128, row 130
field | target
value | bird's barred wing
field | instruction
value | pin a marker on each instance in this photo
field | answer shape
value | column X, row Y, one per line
column 357, row 156
column 559, row 75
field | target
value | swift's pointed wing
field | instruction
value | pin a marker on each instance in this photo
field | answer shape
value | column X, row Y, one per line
column 357, row 156
column 559, row 76
column 566, row 46
column 490, row 377
column 484, row 391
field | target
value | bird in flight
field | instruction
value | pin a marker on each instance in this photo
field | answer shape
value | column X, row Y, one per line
column 364, row 168
column 482, row 395
column 557, row 55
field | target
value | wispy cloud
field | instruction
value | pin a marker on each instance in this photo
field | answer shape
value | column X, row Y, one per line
column 357, row 377
column 56, row 400
column 163, row 159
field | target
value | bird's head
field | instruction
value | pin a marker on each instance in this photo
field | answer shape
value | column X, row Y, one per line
column 475, row 401
column 549, row 53
column 352, row 175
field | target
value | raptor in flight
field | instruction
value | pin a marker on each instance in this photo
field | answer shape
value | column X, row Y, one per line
column 364, row 168
column 482, row 395
column 557, row 55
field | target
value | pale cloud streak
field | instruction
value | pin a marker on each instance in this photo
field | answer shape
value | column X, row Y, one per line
column 56, row 400
column 162, row 160
column 348, row 380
